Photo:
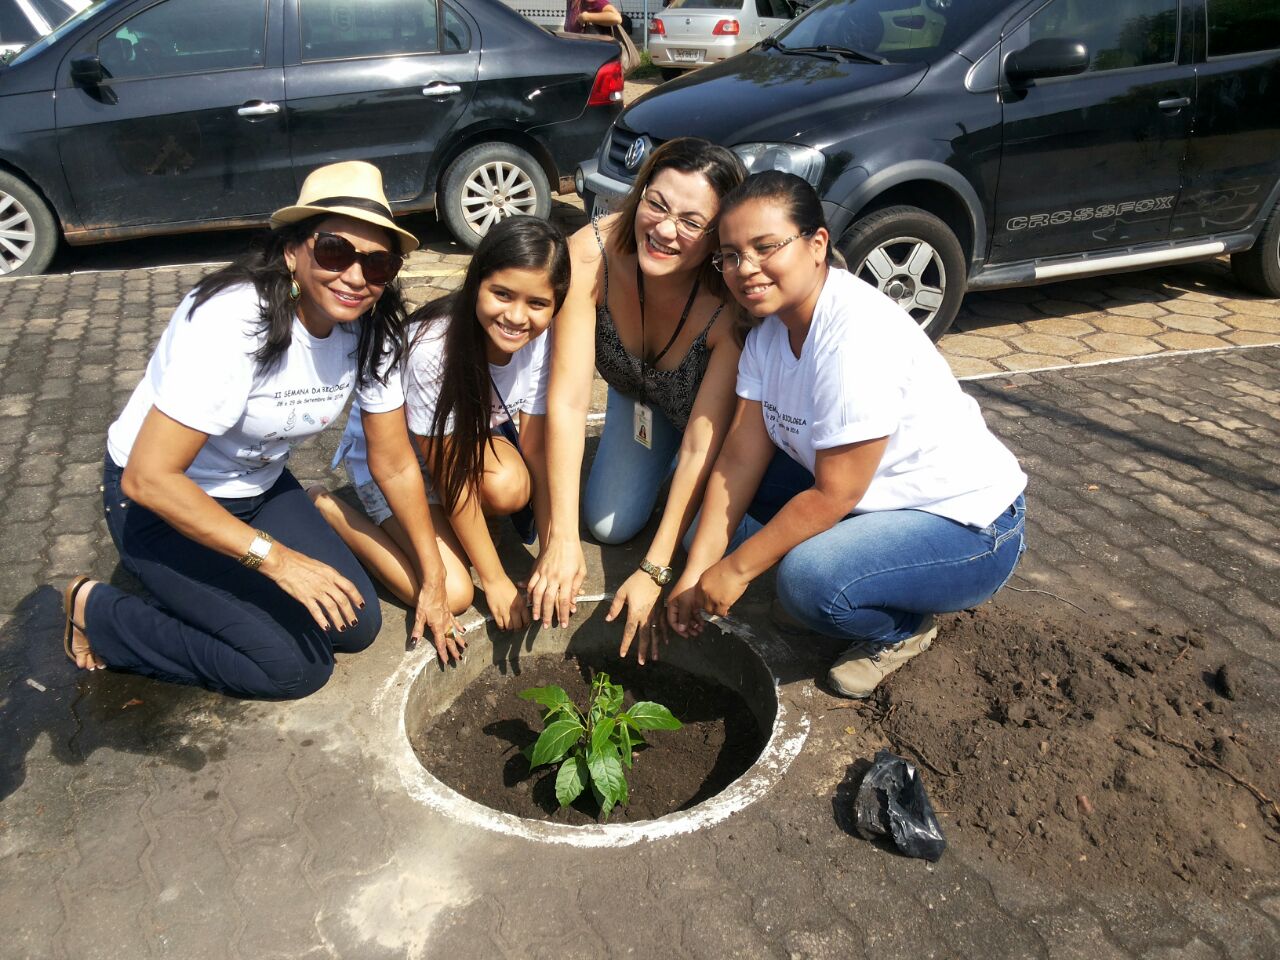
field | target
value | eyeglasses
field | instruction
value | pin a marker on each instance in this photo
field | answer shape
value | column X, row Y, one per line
column 732, row 262
column 336, row 253
column 689, row 229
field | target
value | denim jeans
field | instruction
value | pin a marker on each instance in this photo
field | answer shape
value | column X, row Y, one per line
column 625, row 477
column 216, row 623
column 877, row 576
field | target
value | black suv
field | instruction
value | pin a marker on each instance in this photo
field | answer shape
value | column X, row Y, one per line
column 143, row 117
column 974, row 144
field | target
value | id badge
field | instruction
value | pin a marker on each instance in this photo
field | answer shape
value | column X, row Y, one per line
column 643, row 425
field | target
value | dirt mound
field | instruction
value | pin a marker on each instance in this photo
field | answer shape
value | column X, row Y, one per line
column 1082, row 752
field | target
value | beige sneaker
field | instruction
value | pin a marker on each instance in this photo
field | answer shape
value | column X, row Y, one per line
column 861, row 668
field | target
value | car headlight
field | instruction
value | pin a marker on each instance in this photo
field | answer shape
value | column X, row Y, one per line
column 805, row 162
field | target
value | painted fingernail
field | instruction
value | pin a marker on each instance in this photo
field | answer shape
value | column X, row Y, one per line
column 354, row 621
column 341, row 627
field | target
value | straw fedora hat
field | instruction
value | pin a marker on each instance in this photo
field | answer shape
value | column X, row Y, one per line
column 349, row 189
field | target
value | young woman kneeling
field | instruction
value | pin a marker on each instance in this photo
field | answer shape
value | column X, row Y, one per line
column 901, row 504
column 477, row 360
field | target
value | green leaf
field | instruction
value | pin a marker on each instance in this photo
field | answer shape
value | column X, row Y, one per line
column 647, row 715
column 571, row 780
column 624, row 744
column 607, row 781
column 601, row 735
column 551, row 697
column 555, row 742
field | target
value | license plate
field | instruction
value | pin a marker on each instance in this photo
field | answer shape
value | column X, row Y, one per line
column 601, row 207
column 686, row 56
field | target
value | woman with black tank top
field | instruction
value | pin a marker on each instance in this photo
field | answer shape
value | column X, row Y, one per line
column 645, row 308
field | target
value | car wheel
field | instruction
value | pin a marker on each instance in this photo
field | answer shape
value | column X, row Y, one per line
column 1258, row 268
column 28, row 232
column 669, row 73
column 488, row 183
column 914, row 259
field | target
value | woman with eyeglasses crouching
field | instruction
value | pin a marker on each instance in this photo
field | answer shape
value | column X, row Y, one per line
column 646, row 309
column 254, row 592
column 899, row 504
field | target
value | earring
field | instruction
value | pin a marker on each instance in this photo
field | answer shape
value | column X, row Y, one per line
column 295, row 291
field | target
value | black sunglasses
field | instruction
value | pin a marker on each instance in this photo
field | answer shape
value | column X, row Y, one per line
column 336, row 253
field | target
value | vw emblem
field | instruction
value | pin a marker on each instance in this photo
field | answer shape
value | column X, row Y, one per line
column 636, row 153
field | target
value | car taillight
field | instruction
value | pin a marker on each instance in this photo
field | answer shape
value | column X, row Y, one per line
column 657, row 28
column 608, row 86
column 909, row 23
column 726, row 28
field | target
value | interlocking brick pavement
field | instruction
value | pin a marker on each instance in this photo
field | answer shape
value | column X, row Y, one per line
column 139, row 819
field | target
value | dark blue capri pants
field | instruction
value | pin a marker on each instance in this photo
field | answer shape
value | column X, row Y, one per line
column 215, row 623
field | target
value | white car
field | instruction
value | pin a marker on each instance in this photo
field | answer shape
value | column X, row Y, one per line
column 694, row 33
column 22, row 21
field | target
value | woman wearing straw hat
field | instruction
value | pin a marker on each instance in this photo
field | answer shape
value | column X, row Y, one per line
column 254, row 591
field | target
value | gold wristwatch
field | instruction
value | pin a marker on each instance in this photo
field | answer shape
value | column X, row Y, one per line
column 258, row 550
column 661, row 575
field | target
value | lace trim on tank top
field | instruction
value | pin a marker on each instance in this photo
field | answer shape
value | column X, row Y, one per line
column 671, row 391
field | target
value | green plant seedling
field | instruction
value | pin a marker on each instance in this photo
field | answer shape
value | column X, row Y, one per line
column 593, row 747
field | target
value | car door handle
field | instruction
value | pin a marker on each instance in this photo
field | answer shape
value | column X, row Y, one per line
column 441, row 90
column 1174, row 103
column 258, row 108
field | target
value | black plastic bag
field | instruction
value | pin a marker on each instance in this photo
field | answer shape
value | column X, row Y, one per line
column 891, row 801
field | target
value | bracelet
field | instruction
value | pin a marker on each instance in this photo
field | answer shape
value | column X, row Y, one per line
column 258, row 550
column 660, row 575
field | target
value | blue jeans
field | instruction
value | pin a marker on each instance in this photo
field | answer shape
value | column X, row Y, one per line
column 625, row 477
column 877, row 576
column 216, row 623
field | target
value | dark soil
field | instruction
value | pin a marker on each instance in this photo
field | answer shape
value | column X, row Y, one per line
column 1082, row 753
column 474, row 746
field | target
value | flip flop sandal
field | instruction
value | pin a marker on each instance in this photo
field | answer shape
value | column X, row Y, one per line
column 69, row 605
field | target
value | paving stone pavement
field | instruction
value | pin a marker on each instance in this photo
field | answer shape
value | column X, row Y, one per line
column 139, row 819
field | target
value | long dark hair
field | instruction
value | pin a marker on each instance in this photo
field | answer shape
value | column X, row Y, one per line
column 381, row 333
column 722, row 169
column 523, row 243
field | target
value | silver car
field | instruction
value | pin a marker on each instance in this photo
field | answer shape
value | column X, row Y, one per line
column 693, row 33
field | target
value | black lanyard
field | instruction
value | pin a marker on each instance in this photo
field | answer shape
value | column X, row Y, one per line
column 693, row 295
column 512, row 432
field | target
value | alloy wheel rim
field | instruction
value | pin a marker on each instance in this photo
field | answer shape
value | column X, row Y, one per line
column 494, row 191
column 17, row 233
column 911, row 273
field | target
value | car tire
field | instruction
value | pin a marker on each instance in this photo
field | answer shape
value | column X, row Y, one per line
column 488, row 183
column 30, row 235
column 670, row 73
column 913, row 258
column 1258, row 268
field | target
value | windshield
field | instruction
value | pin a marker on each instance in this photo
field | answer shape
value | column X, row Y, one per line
column 704, row 5
column 53, row 11
column 900, row 31
column 58, row 32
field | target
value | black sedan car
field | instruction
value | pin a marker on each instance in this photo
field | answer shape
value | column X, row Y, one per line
column 136, row 117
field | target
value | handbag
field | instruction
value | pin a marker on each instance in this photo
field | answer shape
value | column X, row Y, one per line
column 630, row 55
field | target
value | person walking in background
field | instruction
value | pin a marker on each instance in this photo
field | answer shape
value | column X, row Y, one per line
column 254, row 593
column 591, row 16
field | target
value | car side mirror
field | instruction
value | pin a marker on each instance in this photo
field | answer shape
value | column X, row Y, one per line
column 87, row 72
column 1050, row 57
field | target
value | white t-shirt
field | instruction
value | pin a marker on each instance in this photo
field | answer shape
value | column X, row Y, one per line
column 203, row 375
column 521, row 382
column 866, row 370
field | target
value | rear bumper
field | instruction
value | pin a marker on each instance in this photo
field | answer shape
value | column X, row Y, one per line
column 671, row 53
